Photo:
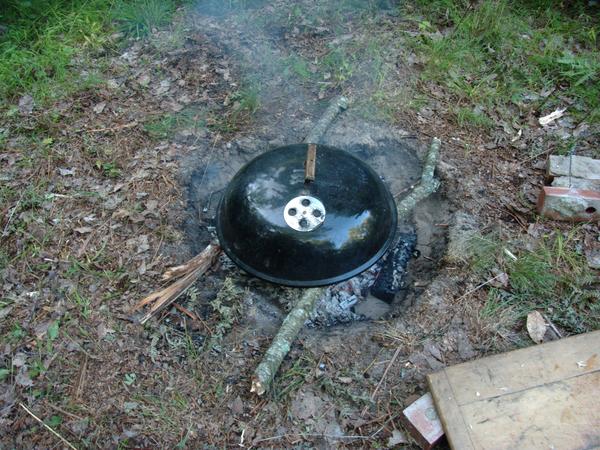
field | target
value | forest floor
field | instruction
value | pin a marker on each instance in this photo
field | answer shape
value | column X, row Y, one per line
column 111, row 159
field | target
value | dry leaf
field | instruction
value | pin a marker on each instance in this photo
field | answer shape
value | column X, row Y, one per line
column 536, row 326
column 99, row 107
column 397, row 438
column 548, row 119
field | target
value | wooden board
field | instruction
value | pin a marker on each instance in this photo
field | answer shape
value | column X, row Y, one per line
column 545, row 396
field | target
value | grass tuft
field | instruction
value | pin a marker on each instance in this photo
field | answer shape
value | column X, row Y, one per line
column 138, row 18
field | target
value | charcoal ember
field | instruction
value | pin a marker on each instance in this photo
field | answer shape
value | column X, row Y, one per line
column 391, row 278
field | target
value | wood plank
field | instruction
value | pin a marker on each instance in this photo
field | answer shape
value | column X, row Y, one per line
column 525, row 368
column 525, row 398
column 562, row 415
column 449, row 411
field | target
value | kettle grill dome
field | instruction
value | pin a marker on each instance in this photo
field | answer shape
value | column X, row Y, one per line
column 279, row 228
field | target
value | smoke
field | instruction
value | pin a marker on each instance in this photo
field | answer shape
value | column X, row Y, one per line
column 295, row 55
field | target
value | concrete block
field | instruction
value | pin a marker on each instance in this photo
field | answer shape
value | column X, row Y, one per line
column 423, row 423
column 577, row 183
column 563, row 203
column 581, row 167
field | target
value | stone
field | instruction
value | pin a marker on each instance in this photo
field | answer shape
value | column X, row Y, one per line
column 26, row 104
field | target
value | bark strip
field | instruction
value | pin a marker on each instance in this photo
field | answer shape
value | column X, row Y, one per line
column 194, row 269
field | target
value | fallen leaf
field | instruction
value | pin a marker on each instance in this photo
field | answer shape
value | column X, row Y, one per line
column 163, row 87
column 66, row 172
column 548, row 119
column 500, row 280
column 536, row 326
column 19, row 360
column 237, row 406
column 99, row 107
column 345, row 380
column 26, row 104
column 22, row 378
column 102, row 330
column 84, row 230
column 53, row 330
column 4, row 312
column 397, row 438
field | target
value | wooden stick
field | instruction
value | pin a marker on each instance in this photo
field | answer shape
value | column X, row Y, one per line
column 184, row 269
column 310, row 163
column 115, row 128
column 293, row 323
column 163, row 298
column 67, row 443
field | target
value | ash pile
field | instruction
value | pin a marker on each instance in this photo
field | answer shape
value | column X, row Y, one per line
column 386, row 281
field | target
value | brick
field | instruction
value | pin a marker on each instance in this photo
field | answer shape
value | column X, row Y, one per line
column 422, row 421
column 563, row 203
column 581, row 167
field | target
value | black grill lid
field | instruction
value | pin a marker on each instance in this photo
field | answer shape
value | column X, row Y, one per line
column 279, row 228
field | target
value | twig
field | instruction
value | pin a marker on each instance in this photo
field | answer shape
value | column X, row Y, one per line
column 320, row 435
column 387, row 369
column 10, row 216
column 65, row 412
column 115, row 128
column 48, row 427
column 193, row 316
column 552, row 326
column 81, row 378
column 479, row 287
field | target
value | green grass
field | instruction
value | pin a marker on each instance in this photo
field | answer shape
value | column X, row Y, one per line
column 138, row 18
column 43, row 37
column 41, row 40
column 472, row 117
column 498, row 53
column 553, row 277
column 167, row 125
